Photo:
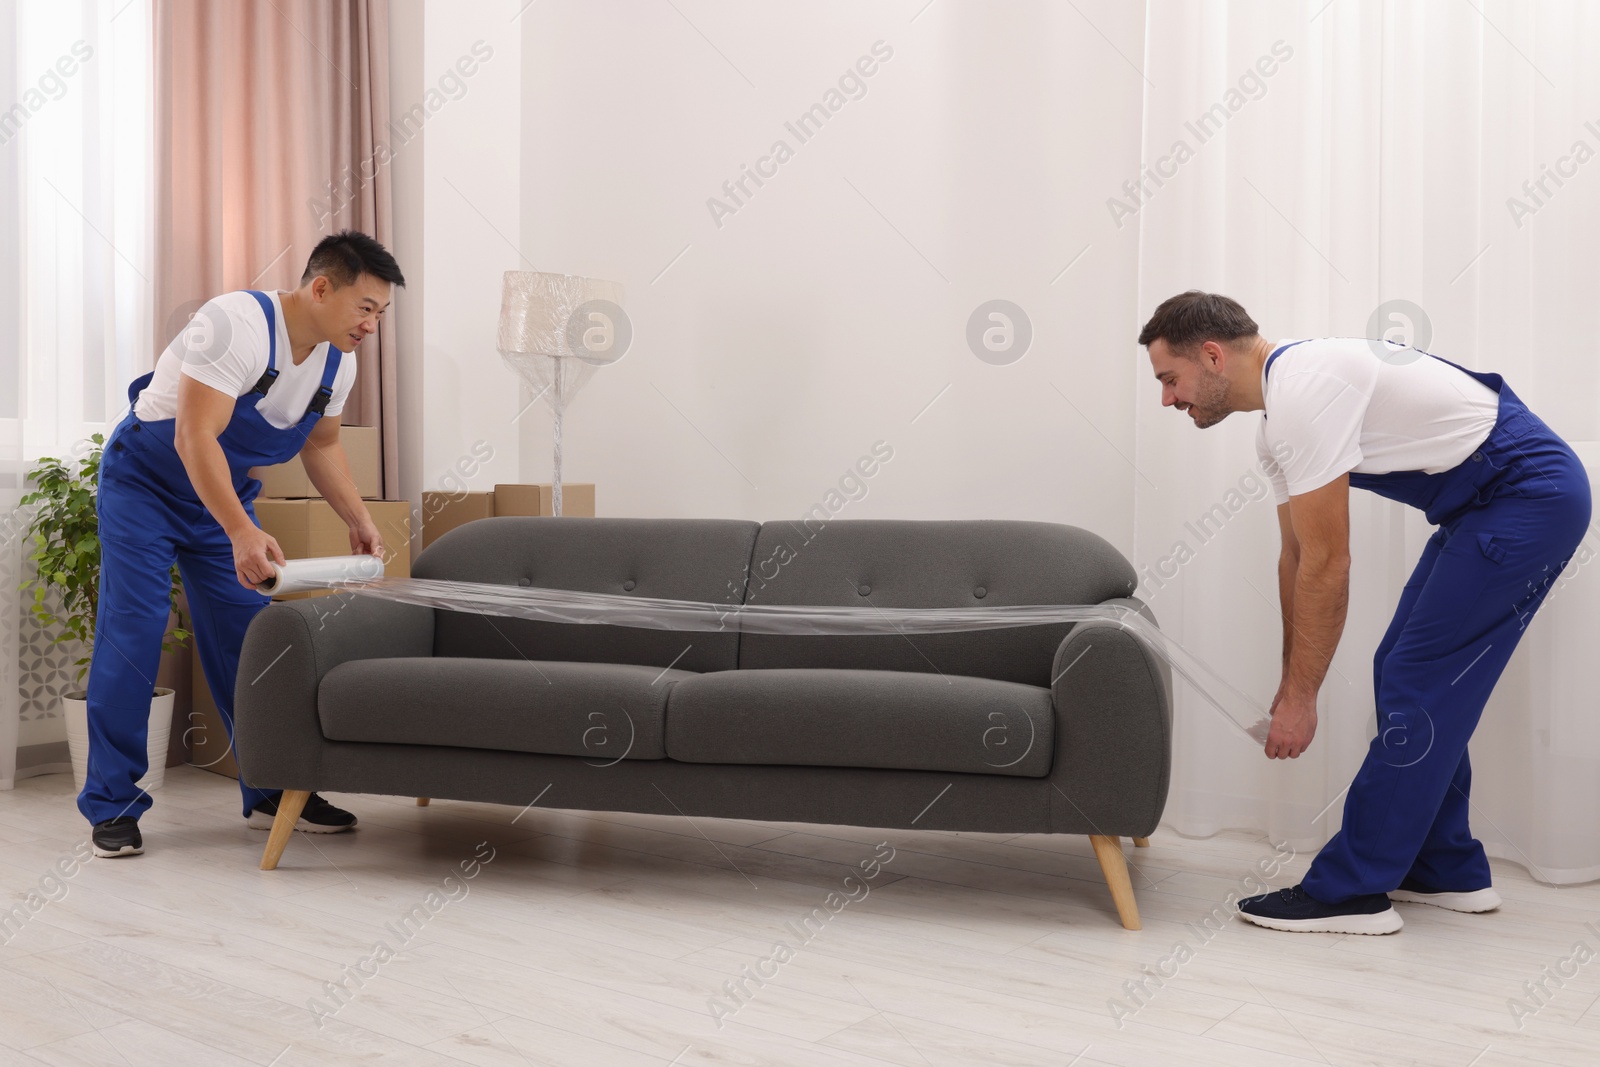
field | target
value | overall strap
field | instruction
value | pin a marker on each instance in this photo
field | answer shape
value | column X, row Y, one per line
column 1276, row 352
column 271, row 375
column 1452, row 363
column 138, row 386
column 330, row 371
column 1487, row 378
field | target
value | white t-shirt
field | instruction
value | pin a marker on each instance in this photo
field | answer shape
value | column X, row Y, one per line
column 225, row 346
column 1333, row 406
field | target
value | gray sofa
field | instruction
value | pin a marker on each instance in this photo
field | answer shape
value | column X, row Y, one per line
column 1062, row 729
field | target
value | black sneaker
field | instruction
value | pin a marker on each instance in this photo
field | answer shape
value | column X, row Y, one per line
column 1296, row 910
column 318, row 816
column 1471, row 901
column 117, row 837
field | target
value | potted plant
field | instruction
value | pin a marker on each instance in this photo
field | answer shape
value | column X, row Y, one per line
column 65, row 531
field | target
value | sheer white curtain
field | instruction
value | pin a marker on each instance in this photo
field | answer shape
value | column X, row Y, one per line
column 1378, row 161
column 74, row 294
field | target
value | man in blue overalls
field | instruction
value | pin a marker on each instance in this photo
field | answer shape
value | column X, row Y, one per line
column 1511, row 502
column 257, row 379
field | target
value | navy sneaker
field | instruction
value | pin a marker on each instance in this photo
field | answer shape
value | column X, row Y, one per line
column 1472, row 901
column 1296, row 910
column 117, row 837
column 318, row 817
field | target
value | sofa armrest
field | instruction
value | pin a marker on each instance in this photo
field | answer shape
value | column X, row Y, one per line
column 1113, row 756
column 288, row 649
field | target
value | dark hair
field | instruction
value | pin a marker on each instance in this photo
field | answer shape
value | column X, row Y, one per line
column 345, row 256
column 1194, row 317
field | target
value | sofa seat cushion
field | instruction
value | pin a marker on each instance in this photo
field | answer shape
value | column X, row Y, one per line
column 604, row 711
column 862, row 718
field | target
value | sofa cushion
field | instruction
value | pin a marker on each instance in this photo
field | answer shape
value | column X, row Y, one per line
column 887, row 563
column 671, row 559
column 605, row 711
column 862, row 718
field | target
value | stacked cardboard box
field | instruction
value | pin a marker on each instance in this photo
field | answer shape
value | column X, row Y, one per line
column 443, row 512
column 577, row 499
column 309, row 529
column 361, row 445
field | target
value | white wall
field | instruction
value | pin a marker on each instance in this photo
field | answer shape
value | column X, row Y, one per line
column 456, row 207
column 406, row 55
column 831, row 308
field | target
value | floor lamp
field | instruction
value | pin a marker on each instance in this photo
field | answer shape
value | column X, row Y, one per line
column 555, row 330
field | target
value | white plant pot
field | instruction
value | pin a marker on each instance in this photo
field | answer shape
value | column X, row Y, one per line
column 75, row 709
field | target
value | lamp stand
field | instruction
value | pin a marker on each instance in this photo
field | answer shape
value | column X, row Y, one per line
column 560, row 405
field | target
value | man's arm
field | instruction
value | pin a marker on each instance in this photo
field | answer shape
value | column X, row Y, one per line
column 328, row 467
column 1288, row 568
column 1314, row 609
column 203, row 413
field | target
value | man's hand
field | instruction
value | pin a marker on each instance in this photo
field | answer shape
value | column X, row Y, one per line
column 1294, row 723
column 365, row 539
column 254, row 550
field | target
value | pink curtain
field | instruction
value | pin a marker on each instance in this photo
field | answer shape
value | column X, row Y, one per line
column 270, row 135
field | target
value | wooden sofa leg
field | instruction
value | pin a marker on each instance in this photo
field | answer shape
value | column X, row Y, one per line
column 1141, row 842
column 290, row 805
column 422, row 802
column 1108, row 850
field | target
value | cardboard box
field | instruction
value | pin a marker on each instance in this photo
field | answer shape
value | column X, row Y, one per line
column 304, row 529
column 443, row 512
column 307, row 529
column 577, row 499
column 206, row 735
column 289, row 480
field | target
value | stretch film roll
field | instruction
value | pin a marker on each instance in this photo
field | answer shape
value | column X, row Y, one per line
column 564, row 606
column 323, row 572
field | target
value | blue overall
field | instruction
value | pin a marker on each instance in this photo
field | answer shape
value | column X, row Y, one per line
column 1509, row 518
column 151, row 517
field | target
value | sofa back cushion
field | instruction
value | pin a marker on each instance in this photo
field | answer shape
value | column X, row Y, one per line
column 929, row 564
column 673, row 559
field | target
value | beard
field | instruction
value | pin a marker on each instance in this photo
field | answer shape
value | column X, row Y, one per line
column 1211, row 404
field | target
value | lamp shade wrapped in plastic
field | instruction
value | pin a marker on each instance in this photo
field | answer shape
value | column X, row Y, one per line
column 547, row 326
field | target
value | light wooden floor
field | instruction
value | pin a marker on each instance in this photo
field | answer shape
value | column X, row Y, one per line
column 599, row 939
